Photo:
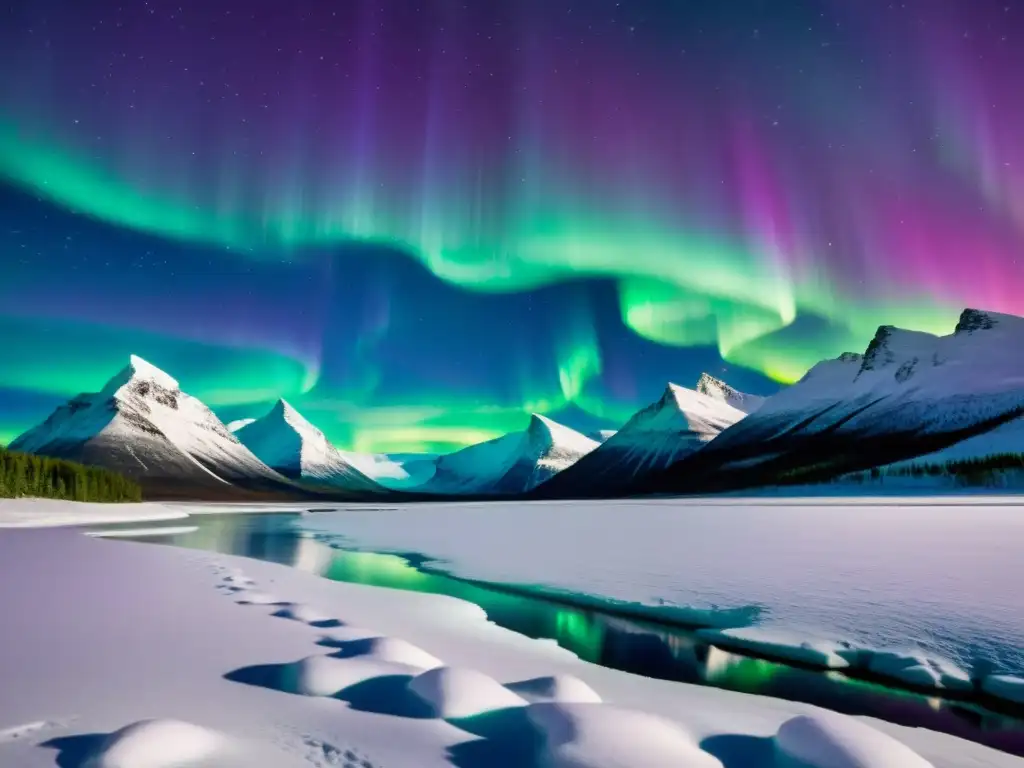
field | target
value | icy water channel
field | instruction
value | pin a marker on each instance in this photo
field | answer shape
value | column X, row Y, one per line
column 641, row 647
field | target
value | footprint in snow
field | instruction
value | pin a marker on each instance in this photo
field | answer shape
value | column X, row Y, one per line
column 322, row 754
column 307, row 615
column 254, row 597
column 16, row 732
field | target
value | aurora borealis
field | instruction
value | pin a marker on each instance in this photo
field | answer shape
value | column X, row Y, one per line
column 422, row 220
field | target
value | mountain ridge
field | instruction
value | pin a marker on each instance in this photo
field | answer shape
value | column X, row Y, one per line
column 679, row 422
column 910, row 394
column 718, row 389
column 142, row 425
column 513, row 463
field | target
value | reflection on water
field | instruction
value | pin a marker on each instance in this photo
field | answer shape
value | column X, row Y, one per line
column 634, row 646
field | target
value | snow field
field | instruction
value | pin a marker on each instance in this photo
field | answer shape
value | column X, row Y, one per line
column 233, row 684
column 927, row 586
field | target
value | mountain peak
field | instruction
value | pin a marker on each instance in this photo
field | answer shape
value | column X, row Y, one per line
column 540, row 422
column 670, row 397
column 283, row 407
column 677, row 399
column 286, row 441
column 717, row 389
column 539, row 431
column 141, row 370
column 286, row 412
column 544, row 433
column 892, row 345
column 143, row 425
column 707, row 384
column 972, row 320
column 140, row 379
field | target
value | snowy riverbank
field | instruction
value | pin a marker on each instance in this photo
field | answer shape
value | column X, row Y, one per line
column 48, row 513
column 278, row 668
column 931, row 578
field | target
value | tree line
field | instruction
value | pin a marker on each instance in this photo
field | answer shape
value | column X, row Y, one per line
column 978, row 471
column 24, row 474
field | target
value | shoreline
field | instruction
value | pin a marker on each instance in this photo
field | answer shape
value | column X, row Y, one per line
column 193, row 626
column 853, row 661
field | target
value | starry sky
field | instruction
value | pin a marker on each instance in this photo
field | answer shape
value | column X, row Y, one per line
column 421, row 220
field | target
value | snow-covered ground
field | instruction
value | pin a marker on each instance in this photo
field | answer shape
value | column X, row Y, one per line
column 42, row 513
column 937, row 577
column 137, row 656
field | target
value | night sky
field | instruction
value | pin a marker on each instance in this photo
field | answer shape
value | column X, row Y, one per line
column 420, row 220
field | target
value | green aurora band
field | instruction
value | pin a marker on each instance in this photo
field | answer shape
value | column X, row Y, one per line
column 677, row 286
column 775, row 202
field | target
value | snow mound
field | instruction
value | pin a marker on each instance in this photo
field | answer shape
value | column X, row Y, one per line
column 453, row 693
column 912, row 668
column 603, row 736
column 831, row 740
column 778, row 644
column 1004, row 687
column 327, row 675
column 158, row 744
column 561, row 688
column 391, row 649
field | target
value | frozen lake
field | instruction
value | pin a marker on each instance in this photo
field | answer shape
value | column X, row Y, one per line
column 940, row 576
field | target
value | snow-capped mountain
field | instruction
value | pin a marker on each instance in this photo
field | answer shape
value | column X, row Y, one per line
column 679, row 423
column 397, row 471
column 237, row 424
column 511, row 464
column 719, row 390
column 601, row 435
column 910, row 394
column 285, row 441
column 142, row 425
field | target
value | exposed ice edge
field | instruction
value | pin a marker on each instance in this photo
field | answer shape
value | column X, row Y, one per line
column 573, row 725
column 734, row 630
column 689, row 617
column 908, row 668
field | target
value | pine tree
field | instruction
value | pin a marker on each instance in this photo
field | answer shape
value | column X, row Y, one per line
column 23, row 474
